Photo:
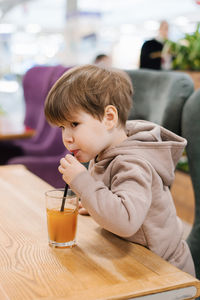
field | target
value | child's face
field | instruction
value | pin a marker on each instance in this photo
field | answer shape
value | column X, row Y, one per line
column 85, row 136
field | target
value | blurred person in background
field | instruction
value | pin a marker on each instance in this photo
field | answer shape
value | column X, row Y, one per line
column 152, row 55
column 103, row 60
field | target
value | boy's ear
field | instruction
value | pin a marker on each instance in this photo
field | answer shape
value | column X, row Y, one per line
column 110, row 118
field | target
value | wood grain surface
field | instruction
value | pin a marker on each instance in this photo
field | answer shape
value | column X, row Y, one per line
column 21, row 135
column 101, row 266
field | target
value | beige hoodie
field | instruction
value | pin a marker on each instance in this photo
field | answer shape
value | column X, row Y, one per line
column 127, row 191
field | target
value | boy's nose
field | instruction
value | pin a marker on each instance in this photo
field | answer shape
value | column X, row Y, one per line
column 67, row 137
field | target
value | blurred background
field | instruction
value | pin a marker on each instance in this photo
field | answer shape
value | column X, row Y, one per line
column 71, row 32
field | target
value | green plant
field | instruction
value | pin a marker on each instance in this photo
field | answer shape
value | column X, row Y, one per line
column 2, row 111
column 183, row 164
column 186, row 52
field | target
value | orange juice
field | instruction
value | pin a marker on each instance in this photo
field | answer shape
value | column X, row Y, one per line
column 62, row 225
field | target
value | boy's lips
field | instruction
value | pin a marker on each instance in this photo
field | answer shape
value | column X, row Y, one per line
column 74, row 151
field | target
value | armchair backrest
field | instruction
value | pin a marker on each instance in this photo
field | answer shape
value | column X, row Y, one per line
column 168, row 99
column 191, row 131
column 36, row 84
column 42, row 152
column 159, row 96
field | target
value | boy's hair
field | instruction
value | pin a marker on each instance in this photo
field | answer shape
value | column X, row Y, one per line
column 89, row 88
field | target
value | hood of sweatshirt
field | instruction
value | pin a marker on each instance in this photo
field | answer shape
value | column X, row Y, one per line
column 151, row 142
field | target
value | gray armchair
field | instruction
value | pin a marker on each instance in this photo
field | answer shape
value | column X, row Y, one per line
column 191, row 131
column 159, row 96
column 168, row 98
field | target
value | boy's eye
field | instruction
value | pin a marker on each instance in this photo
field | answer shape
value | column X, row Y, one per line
column 61, row 127
column 74, row 124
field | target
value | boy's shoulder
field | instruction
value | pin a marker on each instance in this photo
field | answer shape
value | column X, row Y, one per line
column 128, row 162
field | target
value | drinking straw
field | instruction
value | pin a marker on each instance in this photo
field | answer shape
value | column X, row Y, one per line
column 65, row 194
column 64, row 198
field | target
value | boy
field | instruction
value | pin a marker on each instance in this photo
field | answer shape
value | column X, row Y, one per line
column 126, row 189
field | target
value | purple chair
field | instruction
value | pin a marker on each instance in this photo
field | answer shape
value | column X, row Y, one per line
column 41, row 153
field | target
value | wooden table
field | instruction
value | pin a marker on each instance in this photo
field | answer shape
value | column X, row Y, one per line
column 21, row 135
column 101, row 266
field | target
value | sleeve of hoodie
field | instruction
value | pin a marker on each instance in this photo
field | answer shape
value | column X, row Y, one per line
column 122, row 208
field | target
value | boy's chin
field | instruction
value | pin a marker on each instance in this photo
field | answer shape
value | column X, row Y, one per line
column 83, row 161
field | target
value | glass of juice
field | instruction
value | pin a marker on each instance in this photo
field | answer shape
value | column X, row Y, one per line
column 61, row 224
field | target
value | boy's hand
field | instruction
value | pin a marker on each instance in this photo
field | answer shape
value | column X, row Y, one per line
column 70, row 167
column 82, row 210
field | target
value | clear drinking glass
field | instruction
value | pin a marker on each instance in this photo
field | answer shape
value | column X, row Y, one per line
column 62, row 225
